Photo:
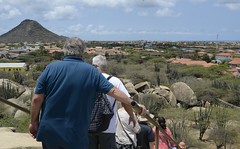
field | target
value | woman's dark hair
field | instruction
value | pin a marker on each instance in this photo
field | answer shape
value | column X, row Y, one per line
column 162, row 122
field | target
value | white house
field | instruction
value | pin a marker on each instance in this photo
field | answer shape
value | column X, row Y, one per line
column 223, row 57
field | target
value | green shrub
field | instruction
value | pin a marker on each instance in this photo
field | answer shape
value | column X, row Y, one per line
column 20, row 125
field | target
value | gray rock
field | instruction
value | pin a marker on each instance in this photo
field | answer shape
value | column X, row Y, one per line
column 20, row 115
column 184, row 94
column 140, row 87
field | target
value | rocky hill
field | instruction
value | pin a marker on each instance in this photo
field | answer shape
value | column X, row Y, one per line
column 30, row 31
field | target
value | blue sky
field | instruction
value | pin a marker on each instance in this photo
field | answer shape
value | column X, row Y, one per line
column 104, row 20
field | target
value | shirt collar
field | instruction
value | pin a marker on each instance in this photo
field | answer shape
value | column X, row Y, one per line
column 72, row 58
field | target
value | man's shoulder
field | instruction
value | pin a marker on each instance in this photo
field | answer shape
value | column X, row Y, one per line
column 55, row 62
column 115, row 79
column 112, row 78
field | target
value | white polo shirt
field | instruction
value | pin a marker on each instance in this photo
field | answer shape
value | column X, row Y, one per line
column 118, row 84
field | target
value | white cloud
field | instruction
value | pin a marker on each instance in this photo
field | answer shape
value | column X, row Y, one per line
column 61, row 12
column 76, row 28
column 100, row 27
column 143, row 13
column 127, row 3
column 129, row 29
column 146, row 32
column 69, row 9
column 227, row 1
column 79, row 29
column 165, row 12
column 95, row 29
column 41, row 2
column 231, row 4
column 108, row 3
column 8, row 12
column 155, row 3
column 128, row 10
column 89, row 27
column 50, row 10
column 197, row 1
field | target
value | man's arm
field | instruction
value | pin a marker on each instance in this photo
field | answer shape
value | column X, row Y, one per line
column 129, row 110
column 120, row 96
column 36, row 104
column 123, row 98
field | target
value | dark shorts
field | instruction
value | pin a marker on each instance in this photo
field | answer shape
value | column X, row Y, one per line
column 102, row 141
column 125, row 146
column 45, row 146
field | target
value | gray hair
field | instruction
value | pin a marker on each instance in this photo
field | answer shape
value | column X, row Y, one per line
column 74, row 47
column 100, row 61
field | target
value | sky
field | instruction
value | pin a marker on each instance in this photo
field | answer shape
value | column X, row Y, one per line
column 124, row 20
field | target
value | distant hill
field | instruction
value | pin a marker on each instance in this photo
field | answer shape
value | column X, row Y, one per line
column 30, row 31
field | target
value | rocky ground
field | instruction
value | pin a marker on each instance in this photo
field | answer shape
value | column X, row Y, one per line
column 12, row 140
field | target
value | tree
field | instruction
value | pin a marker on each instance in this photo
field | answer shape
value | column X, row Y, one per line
column 43, row 51
column 206, row 58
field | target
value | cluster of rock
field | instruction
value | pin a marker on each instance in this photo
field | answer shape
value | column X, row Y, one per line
column 22, row 101
column 9, row 139
column 154, row 98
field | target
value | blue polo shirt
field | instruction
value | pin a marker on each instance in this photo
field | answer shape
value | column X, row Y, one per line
column 70, row 87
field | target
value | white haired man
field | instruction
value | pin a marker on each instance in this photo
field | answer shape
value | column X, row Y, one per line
column 106, row 139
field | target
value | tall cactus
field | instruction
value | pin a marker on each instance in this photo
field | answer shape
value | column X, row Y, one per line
column 7, row 91
column 202, row 119
column 157, row 72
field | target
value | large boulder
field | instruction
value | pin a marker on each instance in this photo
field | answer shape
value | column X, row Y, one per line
column 166, row 93
column 21, row 116
column 184, row 94
column 131, row 90
column 153, row 102
column 9, row 110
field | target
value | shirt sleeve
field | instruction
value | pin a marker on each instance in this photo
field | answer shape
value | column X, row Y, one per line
column 150, row 135
column 104, row 84
column 40, row 87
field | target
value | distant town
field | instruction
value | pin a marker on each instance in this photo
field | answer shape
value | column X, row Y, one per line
column 216, row 52
column 31, row 36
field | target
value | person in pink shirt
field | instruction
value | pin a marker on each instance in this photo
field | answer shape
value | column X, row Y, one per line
column 164, row 142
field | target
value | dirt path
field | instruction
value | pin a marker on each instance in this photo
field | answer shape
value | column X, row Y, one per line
column 12, row 140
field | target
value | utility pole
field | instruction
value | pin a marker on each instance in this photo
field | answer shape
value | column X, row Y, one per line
column 217, row 44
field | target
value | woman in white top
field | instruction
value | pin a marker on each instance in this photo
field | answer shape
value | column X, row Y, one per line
column 126, row 133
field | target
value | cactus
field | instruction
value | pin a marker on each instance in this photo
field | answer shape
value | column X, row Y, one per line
column 157, row 72
column 7, row 91
column 202, row 119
